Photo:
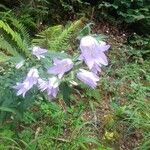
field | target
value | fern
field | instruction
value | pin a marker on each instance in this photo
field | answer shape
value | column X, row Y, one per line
column 3, row 57
column 56, row 38
column 13, row 43
column 64, row 39
column 48, row 36
column 22, row 30
column 16, row 37
column 7, row 48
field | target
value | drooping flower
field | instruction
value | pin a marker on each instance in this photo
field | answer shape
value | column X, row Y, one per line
column 27, row 84
column 50, row 86
column 39, row 52
column 103, row 46
column 20, row 64
column 61, row 67
column 88, row 78
column 92, row 52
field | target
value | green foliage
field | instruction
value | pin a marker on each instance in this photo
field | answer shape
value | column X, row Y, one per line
column 137, row 112
column 47, row 36
column 93, row 93
column 30, row 13
column 67, row 10
column 141, row 46
column 62, row 121
column 66, row 92
column 58, row 38
column 6, row 138
column 33, row 13
column 54, row 129
column 14, row 41
column 131, row 12
column 71, row 5
column 11, row 106
column 36, row 13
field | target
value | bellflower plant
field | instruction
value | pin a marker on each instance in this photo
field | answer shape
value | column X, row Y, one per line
column 46, row 74
column 59, row 71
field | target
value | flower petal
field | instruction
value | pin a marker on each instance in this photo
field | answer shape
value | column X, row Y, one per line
column 88, row 78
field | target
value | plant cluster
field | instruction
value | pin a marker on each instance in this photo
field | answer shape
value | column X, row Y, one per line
column 131, row 12
column 66, row 63
column 52, row 71
column 92, row 53
column 36, row 13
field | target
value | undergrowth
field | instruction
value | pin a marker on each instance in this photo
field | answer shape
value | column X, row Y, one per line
column 115, row 116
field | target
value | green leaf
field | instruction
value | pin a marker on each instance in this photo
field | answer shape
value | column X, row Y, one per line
column 85, row 31
column 93, row 93
column 66, row 92
column 108, row 5
column 7, row 109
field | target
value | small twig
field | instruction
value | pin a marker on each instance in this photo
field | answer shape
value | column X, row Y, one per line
column 37, row 132
column 92, row 14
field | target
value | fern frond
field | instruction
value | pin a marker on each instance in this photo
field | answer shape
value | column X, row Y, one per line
column 8, row 51
column 53, row 32
column 7, row 48
column 22, row 47
column 56, row 38
column 22, row 31
column 3, row 57
column 50, row 34
column 63, row 41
